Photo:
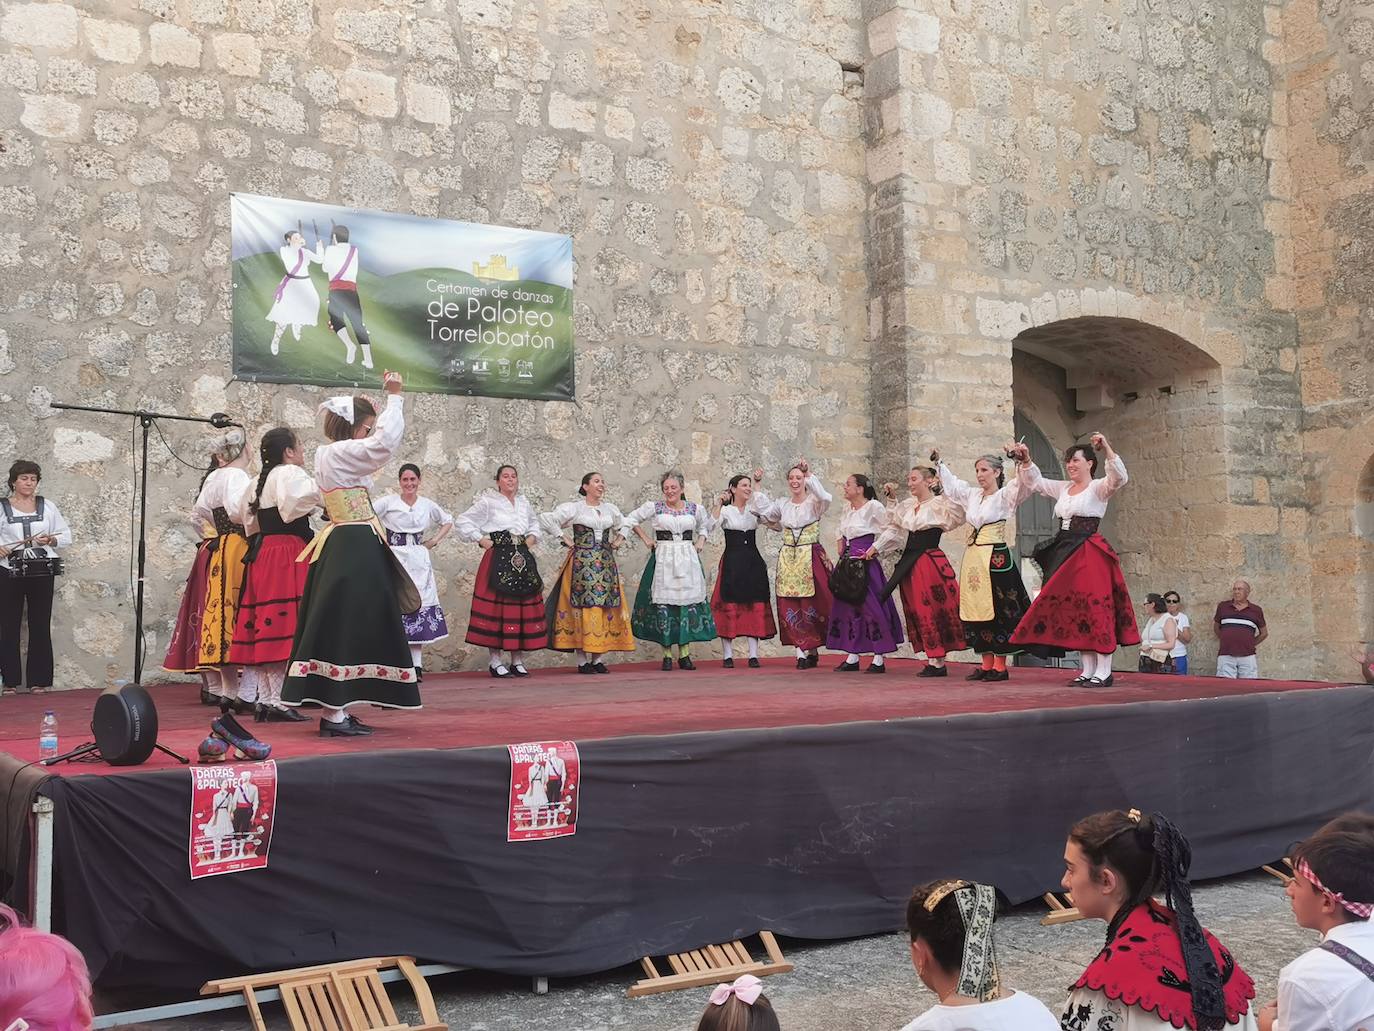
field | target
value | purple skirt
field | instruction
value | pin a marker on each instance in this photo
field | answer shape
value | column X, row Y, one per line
column 874, row 627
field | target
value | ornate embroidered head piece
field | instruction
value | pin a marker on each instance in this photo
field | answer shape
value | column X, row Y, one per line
column 228, row 445
column 341, row 405
column 978, row 976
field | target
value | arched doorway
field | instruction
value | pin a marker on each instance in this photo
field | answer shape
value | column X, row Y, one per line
column 1156, row 398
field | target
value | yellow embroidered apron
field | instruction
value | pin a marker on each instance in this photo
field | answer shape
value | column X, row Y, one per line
column 351, row 506
column 975, row 573
column 795, row 576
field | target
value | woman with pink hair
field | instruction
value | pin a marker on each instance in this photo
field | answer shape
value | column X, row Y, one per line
column 43, row 979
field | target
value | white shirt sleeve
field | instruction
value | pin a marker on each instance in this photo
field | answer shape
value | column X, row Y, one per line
column 632, row 519
column 823, row 499
column 468, row 525
column 297, row 494
column 561, row 517
column 893, row 535
column 385, row 506
column 530, row 518
column 57, row 525
column 366, row 456
column 1114, row 479
column 952, row 485
column 706, row 523
column 1034, row 483
column 438, row 515
column 202, row 512
column 1298, row 1011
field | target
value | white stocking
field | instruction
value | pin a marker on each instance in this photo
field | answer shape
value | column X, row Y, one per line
column 271, row 678
column 753, row 647
column 249, row 685
column 727, row 646
column 415, row 651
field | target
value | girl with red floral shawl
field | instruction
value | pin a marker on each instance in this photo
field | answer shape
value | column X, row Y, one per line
column 1159, row 968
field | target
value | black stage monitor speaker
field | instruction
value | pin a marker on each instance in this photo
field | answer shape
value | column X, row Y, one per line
column 124, row 724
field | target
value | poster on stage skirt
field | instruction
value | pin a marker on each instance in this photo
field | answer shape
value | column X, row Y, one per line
column 334, row 296
column 233, row 808
column 545, row 789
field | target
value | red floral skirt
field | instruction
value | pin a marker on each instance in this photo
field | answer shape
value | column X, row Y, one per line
column 930, row 599
column 1084, row 606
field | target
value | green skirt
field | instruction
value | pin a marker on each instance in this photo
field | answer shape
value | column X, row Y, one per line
column 668, row 625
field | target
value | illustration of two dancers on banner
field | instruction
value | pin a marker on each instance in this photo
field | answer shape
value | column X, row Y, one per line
column 330, row 295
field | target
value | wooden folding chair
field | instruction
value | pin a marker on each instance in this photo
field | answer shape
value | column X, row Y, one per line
column 710, row 964
column 1060, row 912
column 346, row 996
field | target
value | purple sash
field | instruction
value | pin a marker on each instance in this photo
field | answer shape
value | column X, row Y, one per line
column 281, row 287
column 338, row 276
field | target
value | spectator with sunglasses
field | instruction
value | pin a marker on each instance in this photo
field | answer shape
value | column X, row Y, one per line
column 1179, row 652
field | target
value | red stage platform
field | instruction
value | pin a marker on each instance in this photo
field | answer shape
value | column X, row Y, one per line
column 464, row 710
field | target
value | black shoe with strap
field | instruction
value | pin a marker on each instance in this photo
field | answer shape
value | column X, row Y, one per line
column 599, row 667
column 667, row 666
column 685, row 663
column 996, row 675
column 934, row 671
column 348, row 728
column 754, row 663
column 846, row 667
column 728, row 663
column 978, row 674
column 876, row 667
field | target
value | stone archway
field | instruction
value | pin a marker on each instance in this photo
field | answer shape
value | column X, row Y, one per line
column 1155, row 396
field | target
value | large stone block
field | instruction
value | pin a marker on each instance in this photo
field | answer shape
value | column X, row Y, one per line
column 51, row 26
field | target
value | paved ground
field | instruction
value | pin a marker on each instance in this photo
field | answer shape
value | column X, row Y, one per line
column 862, row 985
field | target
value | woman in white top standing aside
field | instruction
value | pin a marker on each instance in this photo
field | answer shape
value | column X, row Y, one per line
column 1084, row 605
column 1185, row 632
column 28, row 521
column 1158, row 636
column 870, row 626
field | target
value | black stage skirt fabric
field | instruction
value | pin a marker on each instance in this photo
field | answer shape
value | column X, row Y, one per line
column 743, row 573
column 350, row 645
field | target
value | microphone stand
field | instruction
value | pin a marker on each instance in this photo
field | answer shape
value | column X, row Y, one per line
column 146, row 420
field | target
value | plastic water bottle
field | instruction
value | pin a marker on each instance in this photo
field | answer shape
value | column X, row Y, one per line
column 47, row 736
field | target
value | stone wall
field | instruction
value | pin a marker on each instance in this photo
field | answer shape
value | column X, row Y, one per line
column 801, row 226
column 1323, row 145
column 707, row 159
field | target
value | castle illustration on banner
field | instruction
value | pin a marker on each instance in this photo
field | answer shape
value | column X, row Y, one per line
column 496, row 268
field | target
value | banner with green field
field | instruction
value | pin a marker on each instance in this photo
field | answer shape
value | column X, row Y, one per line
column 333, row 296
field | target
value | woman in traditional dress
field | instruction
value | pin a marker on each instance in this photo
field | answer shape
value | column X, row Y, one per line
column 740, row 604
column 588, row 611
column 350, row 646
column 1084, row 605
column 803, row 586
column 670, row 606
column 221, row 495
column 408, row 519
column 183, row 650
column 507, row 592
column 1159, row 969
column 930, row 592
column 276, row 513
column 871, row 626
column 32, row 524
column 992, row 597
column 296, row 302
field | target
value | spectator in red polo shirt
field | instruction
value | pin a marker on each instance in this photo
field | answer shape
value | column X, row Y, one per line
column 1240, row 628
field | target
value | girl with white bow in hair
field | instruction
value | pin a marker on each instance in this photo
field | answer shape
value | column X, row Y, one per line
column 350, row 645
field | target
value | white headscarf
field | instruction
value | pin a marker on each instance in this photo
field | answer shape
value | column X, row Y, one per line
column 341, row 405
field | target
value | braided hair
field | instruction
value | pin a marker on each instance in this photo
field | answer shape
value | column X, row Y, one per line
column 275, row 443
column 1152, row 855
